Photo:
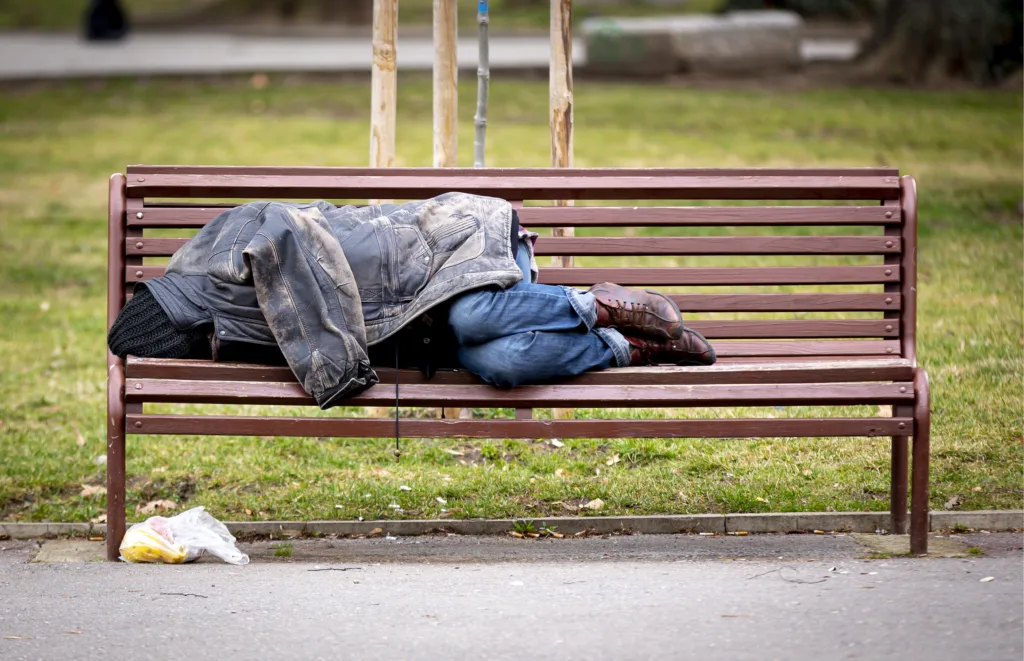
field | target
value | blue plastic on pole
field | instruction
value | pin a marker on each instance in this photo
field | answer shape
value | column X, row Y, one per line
column 482, row 6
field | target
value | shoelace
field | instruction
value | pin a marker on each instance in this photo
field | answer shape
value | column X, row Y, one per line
column 632, row 314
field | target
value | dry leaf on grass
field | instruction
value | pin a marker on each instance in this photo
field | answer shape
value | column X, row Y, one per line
column 761, row 500
column 559, row 472
column 953, row 502
column 79, row 439
column 557, row 443
column 155, row 506
column 595, row 504
column 102, row 518
column 612, row 460
column 93, row 490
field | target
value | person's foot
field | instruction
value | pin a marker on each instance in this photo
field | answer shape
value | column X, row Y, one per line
column 637, row 312
column 690, row 349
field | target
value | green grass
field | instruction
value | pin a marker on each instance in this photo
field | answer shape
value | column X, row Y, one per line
column 66, row 14
column 59, row 143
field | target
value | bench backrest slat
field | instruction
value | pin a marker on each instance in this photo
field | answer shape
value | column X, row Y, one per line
column 182, row 215
column 832, row 281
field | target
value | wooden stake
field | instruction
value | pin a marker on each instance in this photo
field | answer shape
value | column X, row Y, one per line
column 446, row 106
column 446, row 84
column 383, row 84
column 561, row 103
column 383, row 101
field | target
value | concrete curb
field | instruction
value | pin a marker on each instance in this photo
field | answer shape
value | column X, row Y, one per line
column 979, row 520
column 869, row 522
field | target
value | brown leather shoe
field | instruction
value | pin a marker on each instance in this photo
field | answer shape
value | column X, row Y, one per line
column 637, row 312
column 691, row 349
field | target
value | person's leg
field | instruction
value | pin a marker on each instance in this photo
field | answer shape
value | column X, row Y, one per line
column 535, row 357
column 483, row 315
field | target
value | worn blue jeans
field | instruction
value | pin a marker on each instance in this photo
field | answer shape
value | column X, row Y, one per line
column 531, row 333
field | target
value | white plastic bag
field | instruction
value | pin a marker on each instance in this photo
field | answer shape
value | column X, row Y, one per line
column 180, row 538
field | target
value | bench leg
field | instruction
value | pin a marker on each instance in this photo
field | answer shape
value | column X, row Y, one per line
column 115, row 457
column 922, row 444
column 899, row 472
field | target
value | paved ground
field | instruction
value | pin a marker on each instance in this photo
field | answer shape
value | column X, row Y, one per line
column 32, row 56
column 643, row 597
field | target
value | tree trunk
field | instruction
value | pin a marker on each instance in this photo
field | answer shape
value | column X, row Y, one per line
column 922, row 40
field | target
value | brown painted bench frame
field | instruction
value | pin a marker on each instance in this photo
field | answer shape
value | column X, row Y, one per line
column 762, row 362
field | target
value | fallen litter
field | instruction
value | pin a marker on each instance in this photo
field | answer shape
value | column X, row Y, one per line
column 179, row 539
column 987, row 579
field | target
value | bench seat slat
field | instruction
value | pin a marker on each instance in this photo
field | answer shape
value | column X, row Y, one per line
column 240, row 392
column 635, row 246
column 528, row 186
column 735, row 276
column 382, row 427
column 160, row 215
column 894, row 369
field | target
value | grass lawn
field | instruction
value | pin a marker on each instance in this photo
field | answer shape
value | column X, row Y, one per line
column 67, row 14
column 59, row 143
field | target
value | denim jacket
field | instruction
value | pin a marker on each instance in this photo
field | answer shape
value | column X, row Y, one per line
column 324, row 282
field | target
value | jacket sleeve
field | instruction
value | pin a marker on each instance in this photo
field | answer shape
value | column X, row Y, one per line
column 309, row 298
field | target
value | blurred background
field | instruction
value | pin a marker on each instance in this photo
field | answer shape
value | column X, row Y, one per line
column 932, row 87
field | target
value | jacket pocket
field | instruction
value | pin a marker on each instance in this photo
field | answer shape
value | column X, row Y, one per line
column 407, row 260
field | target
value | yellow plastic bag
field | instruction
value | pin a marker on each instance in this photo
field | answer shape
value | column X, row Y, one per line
column 146, row 542
column 179, row 539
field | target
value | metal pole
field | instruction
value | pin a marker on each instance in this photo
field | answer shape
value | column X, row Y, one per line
column 483, row 73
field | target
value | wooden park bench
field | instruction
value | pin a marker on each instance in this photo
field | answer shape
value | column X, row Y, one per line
column 855, row 253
